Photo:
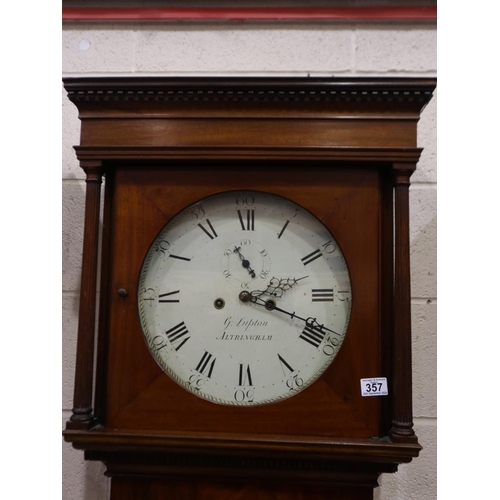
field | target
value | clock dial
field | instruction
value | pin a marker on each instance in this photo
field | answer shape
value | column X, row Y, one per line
column 244, row 298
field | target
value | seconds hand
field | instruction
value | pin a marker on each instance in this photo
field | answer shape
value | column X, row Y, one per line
column 245, row 263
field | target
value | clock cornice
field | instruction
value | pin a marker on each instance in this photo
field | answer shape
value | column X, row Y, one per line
column 238, row 89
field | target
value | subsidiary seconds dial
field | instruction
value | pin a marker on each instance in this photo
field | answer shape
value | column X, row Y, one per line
column 244, row 298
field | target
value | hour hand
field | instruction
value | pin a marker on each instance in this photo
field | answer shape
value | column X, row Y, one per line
column 277, row 287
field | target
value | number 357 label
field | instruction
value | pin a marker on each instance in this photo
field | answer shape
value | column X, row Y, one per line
column 374, row 387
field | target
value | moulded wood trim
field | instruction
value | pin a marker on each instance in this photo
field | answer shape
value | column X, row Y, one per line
column 355, row 449
column 254, row 89
column 324, row 153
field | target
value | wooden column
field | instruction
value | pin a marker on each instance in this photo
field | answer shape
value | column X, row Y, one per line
column 82, row 399
column 402, row 414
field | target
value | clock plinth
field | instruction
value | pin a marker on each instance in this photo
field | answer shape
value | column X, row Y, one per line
column 342, row 150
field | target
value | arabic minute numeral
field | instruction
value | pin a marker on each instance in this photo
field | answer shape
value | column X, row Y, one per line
column 149, row 295
column 162, row 247
column 196, row 382
column 244, row 396
column 245, row 200
column 329, row 247
column 330, row 346
column 294, row 382
column 197, row 213
column 159, row 342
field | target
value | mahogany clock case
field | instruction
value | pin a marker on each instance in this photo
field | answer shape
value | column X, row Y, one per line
column 344, row 149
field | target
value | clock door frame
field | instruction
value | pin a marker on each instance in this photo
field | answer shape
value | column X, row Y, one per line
column 149, row 124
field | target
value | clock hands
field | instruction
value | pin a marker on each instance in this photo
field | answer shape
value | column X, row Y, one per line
column 245, row 263
column 277, row 287
column 270, row 305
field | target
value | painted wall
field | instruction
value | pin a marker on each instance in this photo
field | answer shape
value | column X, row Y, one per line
column 299, row 49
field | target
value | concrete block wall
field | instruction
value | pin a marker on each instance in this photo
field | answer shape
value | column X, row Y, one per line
column 289, row 49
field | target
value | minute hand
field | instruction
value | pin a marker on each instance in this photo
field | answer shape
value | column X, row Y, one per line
column 310, row 322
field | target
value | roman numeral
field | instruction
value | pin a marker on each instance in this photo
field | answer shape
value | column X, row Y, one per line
column 283, row 229
column 312, row 256
column 284, row 365
column 178, row 257
column 245, row 375
column 211, row 232
column 178, row 334
column 207, row 361
column 314, row 337
column 322, row 295
column 250, row 220
column 162, row 300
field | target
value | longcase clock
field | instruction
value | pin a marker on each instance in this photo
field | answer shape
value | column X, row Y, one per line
column 253, row 335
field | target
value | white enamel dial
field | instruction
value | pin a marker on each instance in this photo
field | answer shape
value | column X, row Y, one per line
column 244, row 298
